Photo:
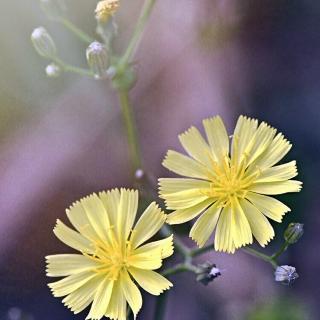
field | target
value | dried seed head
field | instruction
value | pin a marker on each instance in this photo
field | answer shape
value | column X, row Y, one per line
column 43, row 43
column 105, row 9
column 286, row 274
column 97, row 58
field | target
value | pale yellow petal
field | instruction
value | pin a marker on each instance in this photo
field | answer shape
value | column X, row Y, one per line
column 111, row 200
column 184, row 215
column 131, row 292
column 224, row 233
column 71, row 238
column 71, row 283
column 97, row 215
column 173, row 185
column 260, row 226
column 204, row 226
column 127, row 211
column 184, row 165
column 196, row 146
column 270, row 207
column 259, row 143
column 242, row 234
column 117, row 307
column 150, row 281
column 277, row 149
column 164, row 245
column 101, row 300
column 279, row 173
column 146, row 261
column 148, row 225
column 79, row 299
column 80, row 221
column 60, row 265
column 243, row 133
column 217, row 137
column 276, row 187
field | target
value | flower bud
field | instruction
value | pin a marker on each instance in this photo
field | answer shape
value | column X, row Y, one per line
column 54, row 9
column 293, row 233
column 53, row 70
column 97, row 58
column 286, row 274
column 207, row 272
column 43, row 43
column 105, row 9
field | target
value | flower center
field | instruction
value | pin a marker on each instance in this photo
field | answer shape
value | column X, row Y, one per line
column 230, row 181
column 111, row 254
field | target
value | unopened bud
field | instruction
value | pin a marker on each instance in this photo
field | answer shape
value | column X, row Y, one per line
column 53, row 70
column 54, row 9
column 43, row 43
column 139, row 174
column 97, row 58
column 286, row 274
column 207, row 272
column 105, row 9
column 293, row 233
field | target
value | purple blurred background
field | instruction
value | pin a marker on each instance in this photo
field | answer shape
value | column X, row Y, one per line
column 62, row 139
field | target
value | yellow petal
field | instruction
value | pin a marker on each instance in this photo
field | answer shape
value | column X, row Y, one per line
column 148, row 225
column 174, row 185
column 146, row 261
column 97, row 215
column 279, row 187
column 270, row 207
column 60, row 265
column 79, row 299
column 71, row 238
column 260, row 226
column 196, row 146
column 277, row 149
column 204, row 226
column 150, row 281
column 117, row 307
column 165, row 246
column 279, row 173
column 184, row 215
column 111, row 200
column 71, row 283
column 217, row 137
column 224, row 233
column 243, row 133
column 184, row 165
column 127, row 211
column 131, row 292
column 80, row 221
column 101, row 300
column 242, row 234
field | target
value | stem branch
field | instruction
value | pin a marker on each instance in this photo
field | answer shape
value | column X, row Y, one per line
column 77, row 31
column 261, row 256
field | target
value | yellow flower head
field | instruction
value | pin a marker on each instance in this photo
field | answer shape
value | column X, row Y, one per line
column 228, row 183
column 113, row 255
column 105, row 9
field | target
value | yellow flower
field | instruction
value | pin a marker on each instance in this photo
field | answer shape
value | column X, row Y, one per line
column 228, row 184
column 105, row 9
column 113, row 255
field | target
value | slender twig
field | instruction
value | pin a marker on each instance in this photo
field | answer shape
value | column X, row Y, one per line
column 282, row 249
column 181, row 267
column 131, row 131
column 77, row 31
column 260, row 255
column 138, row 31
column 200, row 251
column 69, row 68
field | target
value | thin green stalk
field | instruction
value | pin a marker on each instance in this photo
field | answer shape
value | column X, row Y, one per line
column 69, row 68
column 131, row 131
column 260, row 255
column 282, row 249
column 200, row 251
column 181, row 267
column 138, row 31
column 160, row 309
column 77, row 31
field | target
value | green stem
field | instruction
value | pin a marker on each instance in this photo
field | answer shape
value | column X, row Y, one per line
column 260, row 255
column 282, row 249
column 131, row 131
column 160, row 310
column 77, row 31
column 200, row 251
column 181, row 267
column 138, row 31
column 69, row 68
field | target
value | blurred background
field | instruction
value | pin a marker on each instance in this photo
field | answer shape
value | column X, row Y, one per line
column 61, row 139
